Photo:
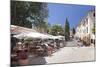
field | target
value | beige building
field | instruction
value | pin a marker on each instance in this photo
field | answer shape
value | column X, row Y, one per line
column 84, row 30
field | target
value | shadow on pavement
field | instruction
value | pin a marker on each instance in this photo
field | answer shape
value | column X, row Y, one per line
column 37, row 61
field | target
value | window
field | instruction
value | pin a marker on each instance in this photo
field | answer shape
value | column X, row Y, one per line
column 87, row 29
column 87, row 20
column 93, row 41
column 84, row 31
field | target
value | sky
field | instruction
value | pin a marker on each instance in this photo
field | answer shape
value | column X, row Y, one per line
column 74, row 13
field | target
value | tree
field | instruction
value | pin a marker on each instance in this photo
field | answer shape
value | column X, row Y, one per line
column 27, row 13
column 19, row 13
column 73, row 31
column 43, row 27
column 67, row 30
column 49, row 28
column 57, row 30
column 93, row 29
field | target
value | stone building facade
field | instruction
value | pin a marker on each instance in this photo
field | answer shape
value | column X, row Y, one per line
column 84, row 30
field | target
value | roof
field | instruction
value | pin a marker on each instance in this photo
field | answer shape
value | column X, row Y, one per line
column 18, row 29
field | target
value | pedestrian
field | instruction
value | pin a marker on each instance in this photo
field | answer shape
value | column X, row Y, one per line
column 50, row 50
column 14, row 40
column 58, row 43
column 22, row 55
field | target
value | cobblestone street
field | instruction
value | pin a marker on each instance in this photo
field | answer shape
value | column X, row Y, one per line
column 70, row 53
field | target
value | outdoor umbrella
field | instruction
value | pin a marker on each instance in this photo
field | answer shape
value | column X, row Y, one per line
column 20, row 36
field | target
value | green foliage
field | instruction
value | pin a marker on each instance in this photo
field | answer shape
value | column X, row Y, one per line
column 73, row 30
column 27, row 13
column 67, row 29
column 49, row 28
column 93, row 30
column 42, row 27
column 57, row 30
column 29, row 39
